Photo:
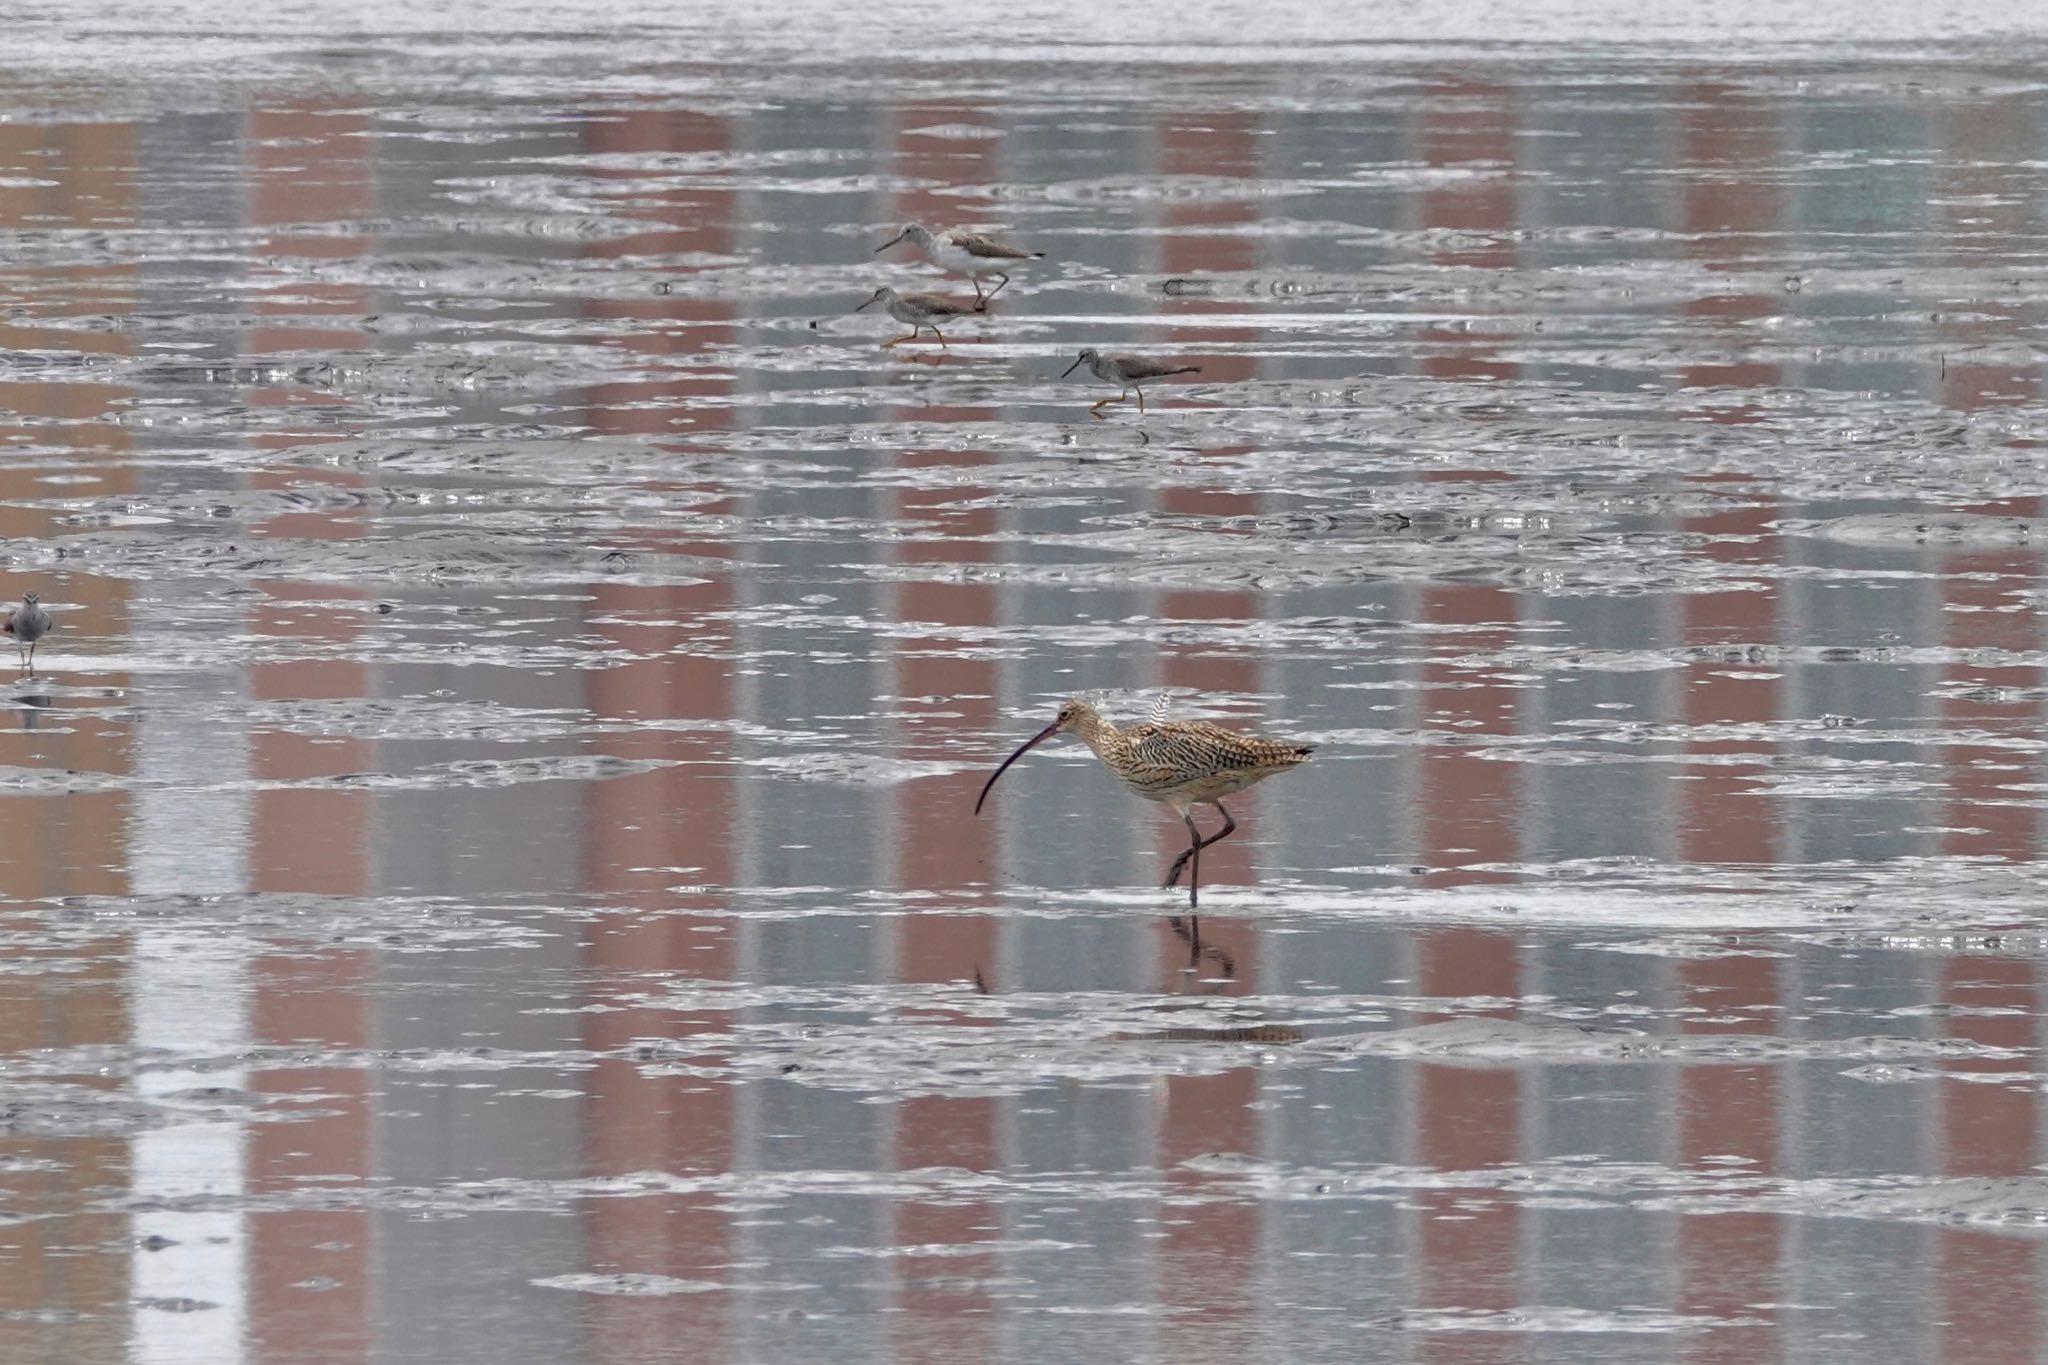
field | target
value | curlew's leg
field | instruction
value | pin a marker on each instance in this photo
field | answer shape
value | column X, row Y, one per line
column 942, row 339
column 1141, row 397
column 995, row 291
column 1194, row 852
column 899, row 341
column 1096, row 410
column 1229, row 828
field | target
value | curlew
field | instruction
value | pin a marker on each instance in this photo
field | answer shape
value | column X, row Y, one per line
column 918, row 312
column 1127, row 372
column 1178, row 763
column 973, row 254
column 27, row 624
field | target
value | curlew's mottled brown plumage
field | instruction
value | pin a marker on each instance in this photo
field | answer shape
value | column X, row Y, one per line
column 1178, row 763
column 25, row 625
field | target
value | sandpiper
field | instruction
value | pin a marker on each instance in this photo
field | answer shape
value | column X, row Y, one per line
column 918, row 312
column 973, row 254
column 1127, row 372
column 27, row 624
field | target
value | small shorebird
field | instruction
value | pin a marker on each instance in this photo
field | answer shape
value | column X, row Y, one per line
column 1179, row 763
column 27, row 624
column 918, row 312
column 973, row 254
column 1127, row 372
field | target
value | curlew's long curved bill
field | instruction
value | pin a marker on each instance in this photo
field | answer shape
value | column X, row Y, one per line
column 1071, row 368
column 892, row 241
column 1047, row 733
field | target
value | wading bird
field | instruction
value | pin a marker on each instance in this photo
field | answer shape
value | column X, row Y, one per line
column 973, row 254
column 918, row 312
column 27, row 624
column 1179, row 763
column 1127, row 372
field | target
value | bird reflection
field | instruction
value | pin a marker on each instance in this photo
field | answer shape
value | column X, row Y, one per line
column 32, row 704
column 1188, row 929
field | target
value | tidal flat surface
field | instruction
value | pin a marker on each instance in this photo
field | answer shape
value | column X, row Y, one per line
column 488, row 869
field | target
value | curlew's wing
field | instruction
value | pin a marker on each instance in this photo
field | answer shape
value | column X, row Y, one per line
column 989, row 249
column 1184, row 751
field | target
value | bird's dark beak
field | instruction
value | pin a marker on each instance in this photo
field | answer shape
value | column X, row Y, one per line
column 871, row 299
column 1047, row 733
column 892, row 241
column 1071, row 368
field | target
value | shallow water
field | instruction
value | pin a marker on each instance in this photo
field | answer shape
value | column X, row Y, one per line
column 488, row 868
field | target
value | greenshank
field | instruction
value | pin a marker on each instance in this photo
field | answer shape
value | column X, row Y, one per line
column 27, row 624
column 918, row 312
column 973, row 254
column 1127, row 372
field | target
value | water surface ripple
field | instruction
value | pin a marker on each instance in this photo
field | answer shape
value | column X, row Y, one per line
column 488, row 869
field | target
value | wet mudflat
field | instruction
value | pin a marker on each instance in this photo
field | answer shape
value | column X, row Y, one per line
column 487, row 863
